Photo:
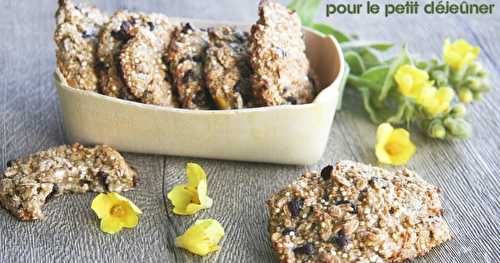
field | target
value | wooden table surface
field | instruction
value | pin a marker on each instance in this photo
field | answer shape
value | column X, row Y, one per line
column 30, row 120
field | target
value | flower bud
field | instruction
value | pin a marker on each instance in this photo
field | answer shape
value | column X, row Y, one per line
column 440, row 77
column 458, row 110
column 473, row 83
column 436, row 129
column 465, row 95
column 477, row 95
column 458, row 127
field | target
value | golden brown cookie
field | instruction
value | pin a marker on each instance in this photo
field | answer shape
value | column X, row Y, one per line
column 277, row 57
column 227, row 68
column 186, row 56
column 352, row 212
column 76, row 34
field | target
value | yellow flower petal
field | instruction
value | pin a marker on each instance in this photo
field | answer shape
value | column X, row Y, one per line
column 130, row 220
column 393, row 145
column 195, row 174
column 384, row 130
column 190, row 198
column 181, row 199
column 399, row 147
column 411, row 80
column 459, row 53
column 111, row 225
column 102, row 204
column 132, row 205
column 205, row 201
column 115, row 212
column 202, row 237
column 436, row 101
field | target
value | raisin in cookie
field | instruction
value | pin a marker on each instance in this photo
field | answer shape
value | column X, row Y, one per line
column 227, row 68
column 277, row 57
column 144, row 72
column 185, row 57
column 353, row 212
column 76, row 43
column 28, row 183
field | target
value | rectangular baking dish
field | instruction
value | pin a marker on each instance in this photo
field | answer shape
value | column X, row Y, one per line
column 287, row 134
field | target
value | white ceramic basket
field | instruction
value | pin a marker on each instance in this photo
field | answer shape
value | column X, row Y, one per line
column 288, row 134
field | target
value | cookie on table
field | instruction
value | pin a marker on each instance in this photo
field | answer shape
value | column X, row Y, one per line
column 28, row 183
column 144, row 72
column 227, row 68
column 77, row 29
column 185, row 57
column 116, row 33
column 277, row 57
column 354, row 212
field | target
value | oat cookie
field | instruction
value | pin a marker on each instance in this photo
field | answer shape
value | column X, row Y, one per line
column 353, row 212
column 277, row 57
column 116, row 33
column 144, row 72
column 28, row 183
column 185, row 57
column 227, row 68
column 76, row 43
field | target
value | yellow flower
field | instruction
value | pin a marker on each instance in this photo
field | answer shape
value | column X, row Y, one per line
column 202, row 237
column 393, row 145
column 459, row 53
column 190, row 198
column 115, row 212
column 411, row 80
column 435, row 101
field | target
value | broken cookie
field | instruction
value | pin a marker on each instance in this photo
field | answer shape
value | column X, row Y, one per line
column 28, row 183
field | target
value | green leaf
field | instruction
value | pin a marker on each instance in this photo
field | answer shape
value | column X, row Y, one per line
column 380, row 46
column 365, row 94
column 370, row 57
column 355, row 62
column 376, row 75
column 330, row 31
column 306, row 9
column 343, row 83
column 401, row 59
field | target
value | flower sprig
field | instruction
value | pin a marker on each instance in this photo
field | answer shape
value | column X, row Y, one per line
column 432, row 94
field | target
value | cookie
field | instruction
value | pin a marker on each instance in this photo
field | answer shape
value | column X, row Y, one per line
column 76, row 43
column 113, row 37
column 144, row 72
column 28, row 183
column 277, row 57
column 227, row 68
column 353, row 212
column 186, row 56
column 116, row 33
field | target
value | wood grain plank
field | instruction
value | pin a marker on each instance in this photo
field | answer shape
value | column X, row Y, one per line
column 31, row 120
